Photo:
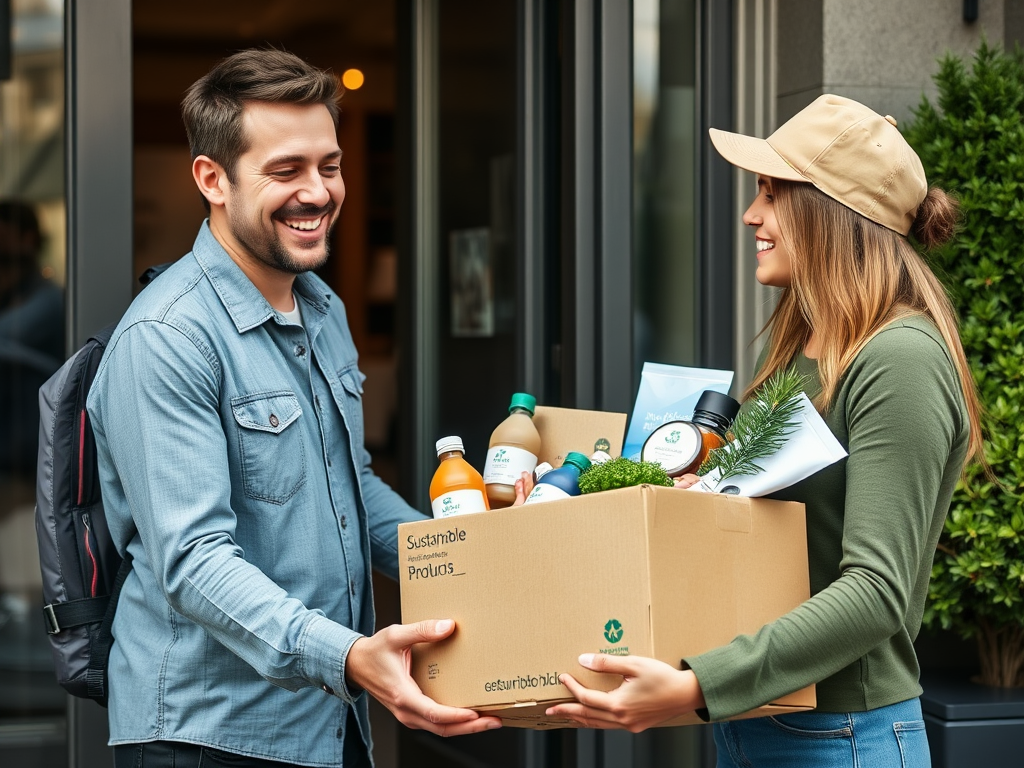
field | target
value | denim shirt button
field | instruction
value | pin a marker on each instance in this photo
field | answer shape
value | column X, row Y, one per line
column 344, row 521
column 328, row 690
column 274, row 421
column 352, row 586
column 300, row 350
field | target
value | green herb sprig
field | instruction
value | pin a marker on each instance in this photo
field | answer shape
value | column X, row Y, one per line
column 761, row 428
column 622, row 473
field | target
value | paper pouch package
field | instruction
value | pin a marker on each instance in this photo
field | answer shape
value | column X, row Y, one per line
column 668, row 393
column 809, row 448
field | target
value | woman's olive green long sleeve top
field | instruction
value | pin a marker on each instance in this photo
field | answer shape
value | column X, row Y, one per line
column 873, row 520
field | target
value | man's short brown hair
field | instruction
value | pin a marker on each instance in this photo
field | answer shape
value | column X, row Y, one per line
column 212, row 107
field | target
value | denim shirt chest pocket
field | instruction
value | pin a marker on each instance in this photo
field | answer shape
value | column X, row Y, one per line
column 350, row 400
column 270, row 445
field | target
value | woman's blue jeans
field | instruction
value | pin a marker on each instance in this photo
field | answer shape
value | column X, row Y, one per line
column 887, row 737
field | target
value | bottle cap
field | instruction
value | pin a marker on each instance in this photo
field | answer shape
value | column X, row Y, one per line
column 450, row 443
column 716, row 402
column 523, row 400
column 578, row 460
column 541, row 469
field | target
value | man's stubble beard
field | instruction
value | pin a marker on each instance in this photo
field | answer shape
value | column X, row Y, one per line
column 268, row 249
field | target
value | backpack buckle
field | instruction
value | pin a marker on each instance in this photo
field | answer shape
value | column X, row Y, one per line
column 52, row 625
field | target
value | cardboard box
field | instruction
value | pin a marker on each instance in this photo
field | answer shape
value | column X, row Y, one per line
column 568, row 429
column 646, row 571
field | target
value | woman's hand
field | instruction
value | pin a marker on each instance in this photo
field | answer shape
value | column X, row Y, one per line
column 523, row 487
column 686, row 481
column 651, row 693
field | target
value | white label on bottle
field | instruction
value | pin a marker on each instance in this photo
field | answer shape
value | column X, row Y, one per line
column 505, row 465
column 673, row 446
column 463, row 502
column 546, row 492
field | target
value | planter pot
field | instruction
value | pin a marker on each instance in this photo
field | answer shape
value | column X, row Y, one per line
column 971, row 725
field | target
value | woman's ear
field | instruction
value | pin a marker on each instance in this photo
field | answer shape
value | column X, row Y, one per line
column 211, row 179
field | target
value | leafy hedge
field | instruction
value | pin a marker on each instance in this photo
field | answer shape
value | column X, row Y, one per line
column 972, row 144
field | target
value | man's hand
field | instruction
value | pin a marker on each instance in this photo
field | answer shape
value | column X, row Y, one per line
column 651, row 693
column 380, row 665
column 524, row 485
column 686, row 481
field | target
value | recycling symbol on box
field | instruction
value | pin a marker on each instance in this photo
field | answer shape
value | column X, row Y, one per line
column 613, row 631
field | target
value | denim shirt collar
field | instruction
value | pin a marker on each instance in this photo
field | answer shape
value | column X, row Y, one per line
column 247, row 307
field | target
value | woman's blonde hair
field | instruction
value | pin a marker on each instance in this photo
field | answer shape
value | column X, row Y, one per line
column 850, row 278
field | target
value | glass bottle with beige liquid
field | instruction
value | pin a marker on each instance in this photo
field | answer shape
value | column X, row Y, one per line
column 513, row 449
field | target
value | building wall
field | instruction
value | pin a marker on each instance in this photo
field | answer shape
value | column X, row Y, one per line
column 756, row 73
column 879, row 52
column 883, row 53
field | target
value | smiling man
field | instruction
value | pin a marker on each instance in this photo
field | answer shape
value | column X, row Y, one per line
column 229, row 429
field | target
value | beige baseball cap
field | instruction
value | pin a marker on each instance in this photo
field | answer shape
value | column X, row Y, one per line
column 849, row 152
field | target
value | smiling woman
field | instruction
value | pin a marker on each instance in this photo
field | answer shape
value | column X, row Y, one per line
column 866, row 323
column 773, row 266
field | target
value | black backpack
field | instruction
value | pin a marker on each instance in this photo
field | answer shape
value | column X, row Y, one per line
column 82, row 571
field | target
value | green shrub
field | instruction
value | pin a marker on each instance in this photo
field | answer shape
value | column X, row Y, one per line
column 622, row 473
column 972, row 144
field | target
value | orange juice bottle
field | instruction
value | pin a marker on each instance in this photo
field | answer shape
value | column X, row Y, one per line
column 514, row 446
column 457, row 488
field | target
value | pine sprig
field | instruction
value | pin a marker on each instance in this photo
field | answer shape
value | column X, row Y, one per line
column 761, row 428
column 622, row 473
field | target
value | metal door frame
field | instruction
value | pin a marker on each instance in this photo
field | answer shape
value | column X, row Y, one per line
column 98, row 190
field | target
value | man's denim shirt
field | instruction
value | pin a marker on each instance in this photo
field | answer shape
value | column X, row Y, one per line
column 233, row 470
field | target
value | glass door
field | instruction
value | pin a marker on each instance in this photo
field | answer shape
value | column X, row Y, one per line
column 459, row 261
column 32, row 346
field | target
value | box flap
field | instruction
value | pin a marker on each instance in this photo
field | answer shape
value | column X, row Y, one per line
column 568, row 429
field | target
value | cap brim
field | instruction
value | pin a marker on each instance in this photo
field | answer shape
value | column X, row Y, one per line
column 753, row 154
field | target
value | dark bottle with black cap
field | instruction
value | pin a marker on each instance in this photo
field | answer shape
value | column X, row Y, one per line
column 682, row 446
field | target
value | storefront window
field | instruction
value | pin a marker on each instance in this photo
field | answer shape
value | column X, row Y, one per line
column 665, row 270
column 664, row 152
column 476, row 218
column 32, row 347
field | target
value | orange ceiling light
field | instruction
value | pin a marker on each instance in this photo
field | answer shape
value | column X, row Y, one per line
column 353, row 79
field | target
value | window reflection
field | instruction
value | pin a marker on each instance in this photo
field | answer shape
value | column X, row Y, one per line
column 32, row 347
column 665, row 296
column 664, row 161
